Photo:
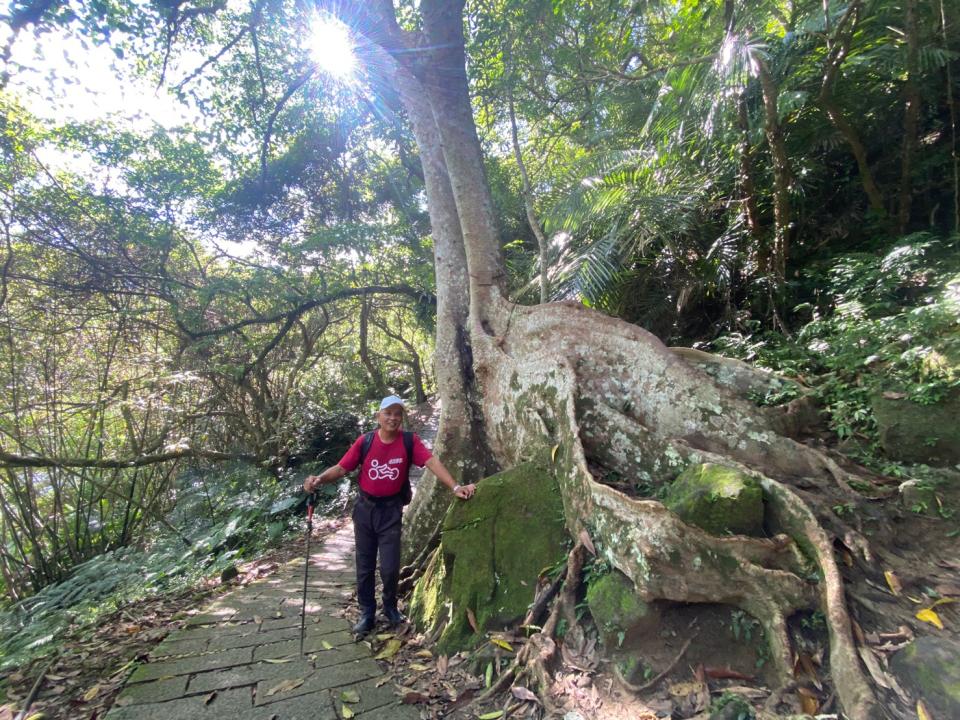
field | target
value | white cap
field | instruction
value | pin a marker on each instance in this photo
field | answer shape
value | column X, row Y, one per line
column 390, row 400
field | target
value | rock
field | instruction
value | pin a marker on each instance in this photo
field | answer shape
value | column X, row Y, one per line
column 229, row 573
column 492, row 550
column 718, row 499
column 915, row 433
column 917, row 496
column 929, row 668
column 617, row 610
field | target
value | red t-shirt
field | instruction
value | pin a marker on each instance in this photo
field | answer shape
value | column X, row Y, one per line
column 385, row 466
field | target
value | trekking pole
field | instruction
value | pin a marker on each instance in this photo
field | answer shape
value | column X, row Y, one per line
column 311, row 501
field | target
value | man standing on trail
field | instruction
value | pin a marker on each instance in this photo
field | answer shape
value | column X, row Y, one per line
column 384, row 457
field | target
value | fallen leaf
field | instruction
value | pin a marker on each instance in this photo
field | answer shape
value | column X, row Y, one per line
column 472, row 619
column 929, row 616
column 383, row 681
column 922, row 712
column 385, row 636
column 350, row 696
column 500, row 642
column 808, row 701
column 522, row 693
column 346, row 712
column 210, row 698
column 488, row 675
column 725, row 674
column 424, row 654
column 491, row 715
column 893, row 582
column 326, row 645
column 258, row 620
column 277, row 661
column 91, row 693
column 418, row 667
column 890, row 395
column 389, row 650
column 285, row 686
column 587, row 542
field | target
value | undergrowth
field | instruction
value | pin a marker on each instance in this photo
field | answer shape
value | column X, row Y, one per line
column 886, row 322
column 221, row 517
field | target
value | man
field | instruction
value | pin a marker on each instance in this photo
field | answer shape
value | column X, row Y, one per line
column 378, row 511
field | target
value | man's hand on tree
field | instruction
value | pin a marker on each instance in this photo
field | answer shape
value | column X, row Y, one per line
column 464, row 492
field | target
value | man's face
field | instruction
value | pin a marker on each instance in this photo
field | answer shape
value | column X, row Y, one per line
column 391, row 418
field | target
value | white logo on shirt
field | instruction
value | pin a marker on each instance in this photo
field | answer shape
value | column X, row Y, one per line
column 382, row 472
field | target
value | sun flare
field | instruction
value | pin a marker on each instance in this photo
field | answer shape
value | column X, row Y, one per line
column 332, row 47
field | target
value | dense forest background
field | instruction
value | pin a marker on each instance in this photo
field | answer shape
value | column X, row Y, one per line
column 195, row 313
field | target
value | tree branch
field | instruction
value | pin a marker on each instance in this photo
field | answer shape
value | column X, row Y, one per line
column 12, row 460
column 407, row 290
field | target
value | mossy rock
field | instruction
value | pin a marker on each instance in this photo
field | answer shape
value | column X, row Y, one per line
column 718, row 499
column 930, row 668
column 915, row 433
column 492, row 550
column 617, row 610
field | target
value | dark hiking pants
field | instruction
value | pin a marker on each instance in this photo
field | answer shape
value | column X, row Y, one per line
column 376, row 526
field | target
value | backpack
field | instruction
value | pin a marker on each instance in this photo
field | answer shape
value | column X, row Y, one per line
column 406, row 490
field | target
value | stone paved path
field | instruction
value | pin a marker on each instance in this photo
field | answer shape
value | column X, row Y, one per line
column 229, row 661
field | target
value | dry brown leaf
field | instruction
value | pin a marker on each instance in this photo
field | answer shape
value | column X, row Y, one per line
column 587, row 542
column 893, row 582
column 876, row 672
column 210, row 698
column 285, row 686
column 442, row 665
column 522, row 693
column 808, row 702
column 472, row 619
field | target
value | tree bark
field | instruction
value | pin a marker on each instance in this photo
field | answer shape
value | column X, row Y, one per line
column 460, row 441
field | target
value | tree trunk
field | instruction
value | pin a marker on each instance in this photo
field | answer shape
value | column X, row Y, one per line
column 460, row 441
column 376, row 377
column 838, row 46
column 782, row 174
column 911, row 116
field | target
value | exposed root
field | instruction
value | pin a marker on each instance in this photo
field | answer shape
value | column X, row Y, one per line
column 536, row 657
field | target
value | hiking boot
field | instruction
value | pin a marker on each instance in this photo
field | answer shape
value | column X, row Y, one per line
column 393, row 616
column 364, row 625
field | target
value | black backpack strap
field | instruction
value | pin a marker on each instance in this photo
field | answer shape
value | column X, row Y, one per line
column 408, row 445
column 365, row 446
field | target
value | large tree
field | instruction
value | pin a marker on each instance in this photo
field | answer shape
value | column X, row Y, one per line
column 519, row 381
